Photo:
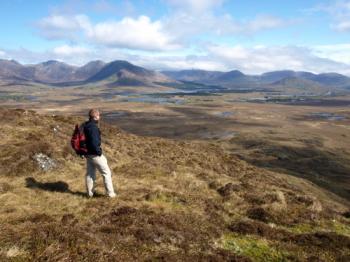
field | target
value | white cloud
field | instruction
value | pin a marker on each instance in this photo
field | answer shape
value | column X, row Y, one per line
column 337, row 52
column 122, row 7
column 254, row 60
column 140, row 33
column 63, row 27
column 59, row 22
column 200, row 17
column 32, row 57
column 191, row 20
column 261, row 59
column 2, row 53
column 71, row 7
column 196, row 6
column 342, row 26
column 66, row 50
column 340, row 14
column 187, row 27
column 339, row 11
column 179, row 62
column 263, row 22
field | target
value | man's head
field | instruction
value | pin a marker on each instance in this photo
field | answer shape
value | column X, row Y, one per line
column 94, row 114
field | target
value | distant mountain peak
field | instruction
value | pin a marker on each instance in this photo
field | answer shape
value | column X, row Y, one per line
column 14, row 61
column 235, row 73
column 51, row 62
column 230, row 76
column 124, row 72
column 57, row 72
column 94, row 62
column 120, row 62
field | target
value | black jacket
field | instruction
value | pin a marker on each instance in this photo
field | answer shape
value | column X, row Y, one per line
column 93, row 138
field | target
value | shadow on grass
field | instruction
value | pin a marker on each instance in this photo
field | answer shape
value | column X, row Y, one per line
column 330, row 170
column 183, row 123
column 58, row 186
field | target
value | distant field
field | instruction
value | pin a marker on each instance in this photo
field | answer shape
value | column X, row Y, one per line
column 229, row 182
column 307, row 137
column 176, row 200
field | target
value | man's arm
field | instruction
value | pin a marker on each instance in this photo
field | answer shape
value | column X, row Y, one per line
column 96, row 140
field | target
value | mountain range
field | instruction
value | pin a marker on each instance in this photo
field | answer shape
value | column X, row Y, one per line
column 123, row 73
column 235, row 78
column 54, row 72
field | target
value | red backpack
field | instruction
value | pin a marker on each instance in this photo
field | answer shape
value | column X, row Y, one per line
column 78, row 140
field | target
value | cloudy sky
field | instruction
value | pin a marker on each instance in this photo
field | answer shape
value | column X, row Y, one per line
column 253, row 36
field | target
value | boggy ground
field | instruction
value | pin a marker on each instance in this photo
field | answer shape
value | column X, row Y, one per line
column 307, row 138
column 299, row 140
column 177, row 201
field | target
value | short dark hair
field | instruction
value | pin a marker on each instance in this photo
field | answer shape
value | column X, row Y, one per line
column 93, row 112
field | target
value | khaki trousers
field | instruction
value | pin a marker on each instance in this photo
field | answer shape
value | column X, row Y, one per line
column 94, row 162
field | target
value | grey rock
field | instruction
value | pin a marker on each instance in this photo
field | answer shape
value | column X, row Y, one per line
column 44, row 162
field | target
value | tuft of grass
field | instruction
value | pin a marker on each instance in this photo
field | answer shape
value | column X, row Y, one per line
column 164, row 209
column 327, row 226
column 164, row 198
column 5, row 187
column 255, row 248
column 302, row 228
column 341, row 228
column 15, row 254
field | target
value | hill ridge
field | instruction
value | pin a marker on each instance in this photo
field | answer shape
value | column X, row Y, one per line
column 177, row 200
column 56, row 72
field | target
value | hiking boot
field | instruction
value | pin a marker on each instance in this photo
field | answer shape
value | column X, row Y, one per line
column 112, row 195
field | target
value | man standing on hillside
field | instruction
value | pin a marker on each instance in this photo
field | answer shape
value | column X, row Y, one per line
column 94, row 158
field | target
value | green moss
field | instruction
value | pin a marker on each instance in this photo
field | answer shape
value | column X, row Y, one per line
column 334, row 226
column 157, row 172
column 252, row 247
column 302, row 228
column 168, row 199
column 341, row 228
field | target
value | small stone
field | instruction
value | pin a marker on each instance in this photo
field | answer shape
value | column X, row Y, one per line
column 56, row 129
column 281, row 198
column 316, row 206
column 13, row 252
column 44, row 162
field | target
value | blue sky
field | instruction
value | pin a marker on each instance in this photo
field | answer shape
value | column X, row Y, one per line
column 252, row 36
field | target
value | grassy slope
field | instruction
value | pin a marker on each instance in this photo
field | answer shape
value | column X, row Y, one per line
column 176, row 201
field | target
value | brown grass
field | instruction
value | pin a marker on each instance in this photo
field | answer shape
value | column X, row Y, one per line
column 175, row 199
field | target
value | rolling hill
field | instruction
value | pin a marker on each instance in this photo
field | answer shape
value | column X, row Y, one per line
column 123, row 73
column 282, row 79
column 295, row 84
column 58, row 73
column 193, row 75
column 177, row 201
